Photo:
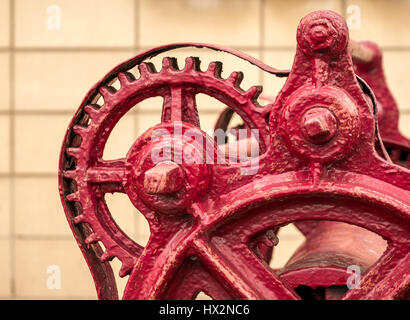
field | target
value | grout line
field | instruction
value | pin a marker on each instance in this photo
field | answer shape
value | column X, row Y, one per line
column 43, row 237
column 66, row 49
column 12, row 151
column 240, row 48
column 22, row 175
column 261, row 37
column 388, row 48
column 47, row 112
column 136, row 25
column 343, row 6
column 136, row 109
column 128, row 48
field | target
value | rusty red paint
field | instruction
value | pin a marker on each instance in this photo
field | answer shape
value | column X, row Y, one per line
column 397, row 145
column 203, row 232
column 328, row 250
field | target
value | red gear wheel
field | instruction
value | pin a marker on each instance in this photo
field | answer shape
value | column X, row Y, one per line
column 205, row 245
column 85, row 177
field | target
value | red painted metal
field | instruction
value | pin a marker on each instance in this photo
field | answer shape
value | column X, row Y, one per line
column 322, row 260
column 396, row 144
column 205, row 227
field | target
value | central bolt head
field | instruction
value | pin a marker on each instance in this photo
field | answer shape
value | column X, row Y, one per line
column 319, row 33
column 165, row 178
column 321, row 36
column 319, row 125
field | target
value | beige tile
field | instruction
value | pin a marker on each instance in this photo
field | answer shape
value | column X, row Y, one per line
column 208, row 121
column 283, row 251
column 290, row 238
column 282, row 18
column 123, row 212
column 83, row 23
column 203, row 296
column 39, row 139
column 142, row 229
column 5, row 271
column 404, row 124
column 38, row 142
column 146, row 121
column 150, row 105
column 383, row 22
column 4, row 23
column 290, row 231
column 5, row 84
column 5, row 144
column 121, row 282
column 121, row 138
column 4, row 207
column 59, row 81
column 227, row 22
column 282, row 60
column 397, row 69
column 33, row 258
column 41, row 212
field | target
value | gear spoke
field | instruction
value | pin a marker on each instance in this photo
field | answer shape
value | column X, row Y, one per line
column 386, row 280
column 180, row 105
column 159, row 260
column 109, row 174
column 243, row 272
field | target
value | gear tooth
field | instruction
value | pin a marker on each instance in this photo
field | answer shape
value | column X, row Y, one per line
column 79, row 219
column 254, row 92
column 215, row 68
column 125, row 78
column 80, row 130
column 235, row 78
column 73, row 152
column 146, row 68
column 192, row 63
column 92, row 238
column 125, row 269
column 91, row 110
column 106, row 92
column 106, row 256
column 69, row 174
column 73, row 197
column 169, row 63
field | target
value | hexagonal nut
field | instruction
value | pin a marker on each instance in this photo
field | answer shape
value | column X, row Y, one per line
column 319, row 125
column 165, row 178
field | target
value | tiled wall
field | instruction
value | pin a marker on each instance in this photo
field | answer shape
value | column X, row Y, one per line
column 46, row 72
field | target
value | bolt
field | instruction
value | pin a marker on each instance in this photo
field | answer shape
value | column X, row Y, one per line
column 322, row 32
column 165, row 178
column 319, row 125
